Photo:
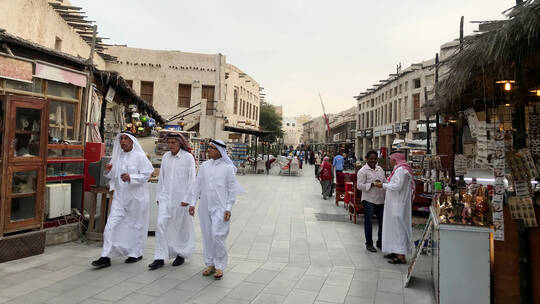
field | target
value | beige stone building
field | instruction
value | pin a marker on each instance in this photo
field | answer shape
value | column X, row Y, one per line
column 293, row 130
column 216, row 93
column 221, row 94
column 315, row 133
column 391, row 109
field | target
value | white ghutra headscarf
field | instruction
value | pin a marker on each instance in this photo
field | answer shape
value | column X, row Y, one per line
column 117, row 151
column 222, row 148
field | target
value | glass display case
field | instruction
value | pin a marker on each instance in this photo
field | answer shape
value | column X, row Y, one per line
column 65, row 162
column 65, row 169
column 64, row 152
column 23, row 141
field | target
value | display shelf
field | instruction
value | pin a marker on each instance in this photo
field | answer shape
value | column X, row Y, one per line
column 24, row 194
column 64, row 178
column 65, row 147
column 61, row 160
column 26, row 132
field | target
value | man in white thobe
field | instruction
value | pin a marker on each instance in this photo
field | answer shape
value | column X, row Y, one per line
column 175, row 233
column 127, row 225
column 397, row 228
column 216, row 187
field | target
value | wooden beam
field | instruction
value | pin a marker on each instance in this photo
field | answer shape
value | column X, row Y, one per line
column 67, row 7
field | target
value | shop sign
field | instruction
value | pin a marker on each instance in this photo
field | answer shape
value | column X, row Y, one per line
column 369, row 133
column 51, row 72
column 110, row 94
column 402, row 127
column 16, row 69
column 361, row 133
column 387, row 130
column 377, row 133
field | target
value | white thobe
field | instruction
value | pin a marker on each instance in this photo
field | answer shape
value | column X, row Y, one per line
column 215, row 186
column 175, row 233
column 397, row 228
column 127, row 225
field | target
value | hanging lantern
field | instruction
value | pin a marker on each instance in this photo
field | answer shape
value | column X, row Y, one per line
column 537, row 92
column 508, row 84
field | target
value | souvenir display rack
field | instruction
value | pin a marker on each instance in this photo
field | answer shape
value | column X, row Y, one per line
column 238, row 153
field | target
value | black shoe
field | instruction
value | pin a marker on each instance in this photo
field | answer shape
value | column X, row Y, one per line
column 379, row 246
column 156, row 264
column 131, row 260
column 178, row 261
column 370, row 248
column 102, row 262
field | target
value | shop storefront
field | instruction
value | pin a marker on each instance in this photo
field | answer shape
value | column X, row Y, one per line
column 484, row 182
column 44, row 120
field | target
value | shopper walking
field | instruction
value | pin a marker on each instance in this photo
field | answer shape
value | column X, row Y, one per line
column 338, row 162
column 317, row 163
column 372, row 198
column 326, row 178
column 216, row 187
column 127, row 225
column 397, row 229
column 175, row 233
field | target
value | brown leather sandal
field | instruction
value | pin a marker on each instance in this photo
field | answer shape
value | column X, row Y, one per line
column 219, row 274
column 208, row 271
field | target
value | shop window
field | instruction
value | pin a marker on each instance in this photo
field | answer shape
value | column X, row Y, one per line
column 62, row 120
column 147, row 91
column 35, row 86
column 417, row 84
column 184, row 95
column 60, row 89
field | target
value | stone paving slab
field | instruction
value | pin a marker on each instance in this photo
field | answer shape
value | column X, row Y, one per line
column 279, row 253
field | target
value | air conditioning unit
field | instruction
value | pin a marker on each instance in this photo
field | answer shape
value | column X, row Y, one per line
column 57, row 200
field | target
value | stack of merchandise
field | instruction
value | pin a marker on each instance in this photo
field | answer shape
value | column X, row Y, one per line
column 238, row 153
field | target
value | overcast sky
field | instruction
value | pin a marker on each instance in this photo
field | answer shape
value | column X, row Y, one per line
column 296, row 49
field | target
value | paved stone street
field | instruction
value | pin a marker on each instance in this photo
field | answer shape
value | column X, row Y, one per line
column 279, row 253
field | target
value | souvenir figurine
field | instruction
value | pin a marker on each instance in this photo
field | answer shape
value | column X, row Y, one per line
column 467, row 213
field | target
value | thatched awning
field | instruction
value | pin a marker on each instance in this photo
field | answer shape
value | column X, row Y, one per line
column 493, row 54
column 112, row 78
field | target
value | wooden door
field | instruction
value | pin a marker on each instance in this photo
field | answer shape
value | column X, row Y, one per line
column 24, row 189
column 27, row 127
column 208, row 94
